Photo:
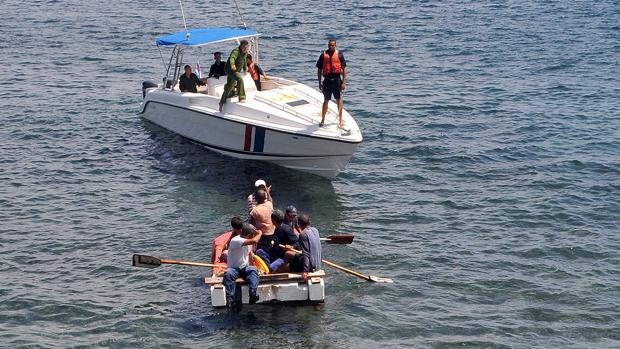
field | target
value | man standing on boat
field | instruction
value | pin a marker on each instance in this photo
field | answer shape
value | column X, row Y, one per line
column 256, row 71
column 331, row 66
column 218, row 68
column 235, row 65
column 239, row 249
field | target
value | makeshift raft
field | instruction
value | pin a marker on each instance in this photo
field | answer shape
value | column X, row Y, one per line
column 272, row 288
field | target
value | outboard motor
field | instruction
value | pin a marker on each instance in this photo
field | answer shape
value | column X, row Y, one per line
column 146, row 84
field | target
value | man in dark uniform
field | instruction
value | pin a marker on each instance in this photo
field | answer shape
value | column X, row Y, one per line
column 189, row 80
column 217, row 68
column 331, row 66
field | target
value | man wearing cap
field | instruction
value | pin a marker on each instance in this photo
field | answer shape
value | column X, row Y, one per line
column 239, row 250
column 290, row 219
column 217, row 68
column 284, row 235
column 261, row 214
column 259, row 184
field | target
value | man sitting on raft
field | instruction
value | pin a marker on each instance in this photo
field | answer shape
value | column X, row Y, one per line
column 239, row 264
column 309, row 258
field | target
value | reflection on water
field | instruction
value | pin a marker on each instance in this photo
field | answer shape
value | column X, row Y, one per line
column 283, row 326
column 486, row 186
column 220, row 184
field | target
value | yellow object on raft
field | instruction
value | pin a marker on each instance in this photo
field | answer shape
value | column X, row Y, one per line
column 260, row 264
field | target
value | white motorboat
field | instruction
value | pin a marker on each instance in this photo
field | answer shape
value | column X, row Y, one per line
column 279, row 124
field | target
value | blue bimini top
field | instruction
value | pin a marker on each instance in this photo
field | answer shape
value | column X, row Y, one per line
column 204, row 36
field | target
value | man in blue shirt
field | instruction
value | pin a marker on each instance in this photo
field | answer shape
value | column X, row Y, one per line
column 309, row 260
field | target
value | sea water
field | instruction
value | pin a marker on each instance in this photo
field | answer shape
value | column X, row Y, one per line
column 487, row 185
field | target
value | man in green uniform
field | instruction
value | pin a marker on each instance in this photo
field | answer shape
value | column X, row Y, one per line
column 235, row 65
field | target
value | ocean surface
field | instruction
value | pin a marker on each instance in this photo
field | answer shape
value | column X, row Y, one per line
column 487, row 185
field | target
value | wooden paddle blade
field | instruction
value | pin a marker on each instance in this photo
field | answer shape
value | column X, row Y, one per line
column 341, row 239
column 378, row 279
column 142, row 261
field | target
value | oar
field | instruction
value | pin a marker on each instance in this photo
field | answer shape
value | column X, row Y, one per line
column 341, row 239
column 370, row 278
column 143, row 261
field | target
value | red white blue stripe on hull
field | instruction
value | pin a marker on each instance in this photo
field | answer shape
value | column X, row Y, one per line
column 254, row 139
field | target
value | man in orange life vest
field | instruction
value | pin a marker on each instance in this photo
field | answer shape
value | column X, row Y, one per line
column 255, row 72
column 331, row 65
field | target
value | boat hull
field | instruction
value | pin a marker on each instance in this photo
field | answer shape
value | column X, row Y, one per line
column 253, row 137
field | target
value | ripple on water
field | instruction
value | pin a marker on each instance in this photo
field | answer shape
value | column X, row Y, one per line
column 486, row 185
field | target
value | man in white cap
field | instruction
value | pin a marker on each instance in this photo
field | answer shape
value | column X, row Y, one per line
column 259, row 184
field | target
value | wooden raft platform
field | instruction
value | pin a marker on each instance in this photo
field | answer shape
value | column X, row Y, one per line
column 268, row 278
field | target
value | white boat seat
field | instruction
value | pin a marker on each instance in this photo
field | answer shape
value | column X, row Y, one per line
column 215, row 87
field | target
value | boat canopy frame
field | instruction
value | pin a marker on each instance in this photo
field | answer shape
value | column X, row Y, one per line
column 196, row 38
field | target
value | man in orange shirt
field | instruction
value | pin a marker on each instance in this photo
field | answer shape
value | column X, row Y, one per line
column 260, row 217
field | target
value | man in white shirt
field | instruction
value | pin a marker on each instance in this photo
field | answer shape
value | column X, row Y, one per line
column 239, row 253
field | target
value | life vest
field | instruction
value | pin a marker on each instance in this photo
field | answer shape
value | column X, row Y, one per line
column 253, row 71
column 260, row 264
column 331, row 65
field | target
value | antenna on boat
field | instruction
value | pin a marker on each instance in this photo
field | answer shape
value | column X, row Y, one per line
column 187, row 34
column 240, row 15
